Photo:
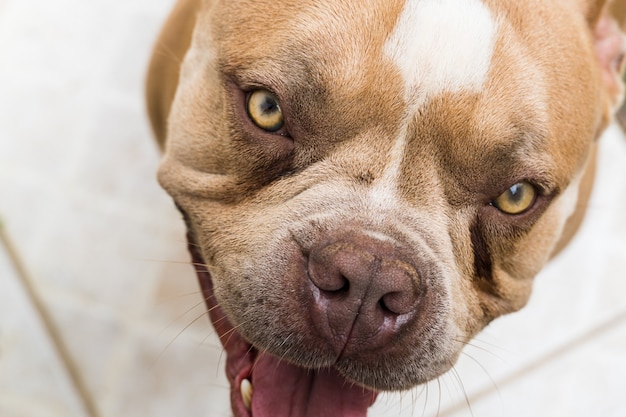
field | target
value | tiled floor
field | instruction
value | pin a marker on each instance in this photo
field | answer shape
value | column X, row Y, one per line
column 102, row 248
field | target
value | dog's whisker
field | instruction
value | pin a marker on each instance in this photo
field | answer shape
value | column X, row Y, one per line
column 479, row 340
column 195, row 245
column 215, row 307
column 250, row 349
column 481, row 366
column 474, row 343
column 439, row 396
column 219, row 361
column 178, row 297
column 282, row 357
column 163, row 50
column 200, row 264
column 230, row 334
column 283, row 343
column 207, row 312
column 418, row 394
column 210, row 345
column 205, row 338
column 219, row 320
column 187, row 311
column 412, row 397
column 427, row 389
column 206, row 301
column 458, row 379
column 163, row 261
column 256, row 359
column 187, row 326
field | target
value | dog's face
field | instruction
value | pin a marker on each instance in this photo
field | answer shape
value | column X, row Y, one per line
column 371, row 183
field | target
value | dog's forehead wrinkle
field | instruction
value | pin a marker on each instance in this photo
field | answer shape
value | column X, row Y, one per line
column 473, row 152
column 433, row 51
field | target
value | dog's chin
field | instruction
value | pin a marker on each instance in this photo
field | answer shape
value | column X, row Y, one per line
column 263, row 385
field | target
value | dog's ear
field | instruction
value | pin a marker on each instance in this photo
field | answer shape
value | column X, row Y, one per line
column 618, row 10
column 593, row 10
column 604, row 18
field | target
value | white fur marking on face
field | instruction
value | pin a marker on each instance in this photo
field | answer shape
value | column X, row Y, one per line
column 442, row 46
column 566, row 204
column 439, row 46
column 383, row 192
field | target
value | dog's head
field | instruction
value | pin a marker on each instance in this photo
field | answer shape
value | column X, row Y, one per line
column 368, row 184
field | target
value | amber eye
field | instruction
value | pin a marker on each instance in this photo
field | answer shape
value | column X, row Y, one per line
column 264, row 110
column 517, row 199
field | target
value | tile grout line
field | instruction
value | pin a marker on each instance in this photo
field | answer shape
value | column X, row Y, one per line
column 579, row 341
column 52, row 332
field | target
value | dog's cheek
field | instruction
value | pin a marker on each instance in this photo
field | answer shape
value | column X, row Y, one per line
column 518, row 258
column 473, row 304
column 261, row 292
column 261, row 160
column 504, row 262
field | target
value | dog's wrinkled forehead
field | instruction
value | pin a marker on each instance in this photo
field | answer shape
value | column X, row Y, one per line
column 478, row 69
column 415, row 49
column 379, row 62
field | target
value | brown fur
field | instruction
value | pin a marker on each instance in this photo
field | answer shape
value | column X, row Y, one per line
column 248, row 194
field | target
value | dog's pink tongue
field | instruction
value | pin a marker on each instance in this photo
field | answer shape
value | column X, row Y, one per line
column 284, row 390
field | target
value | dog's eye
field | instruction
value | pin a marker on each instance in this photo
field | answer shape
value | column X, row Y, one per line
column 264, row 110
column 517, row 199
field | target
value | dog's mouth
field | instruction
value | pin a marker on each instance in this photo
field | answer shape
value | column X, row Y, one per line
column 262, row 385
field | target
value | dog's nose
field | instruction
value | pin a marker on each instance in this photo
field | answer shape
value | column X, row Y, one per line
column 365, row 291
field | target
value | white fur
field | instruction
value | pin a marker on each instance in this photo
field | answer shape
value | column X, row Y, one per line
column 442, row 46
column 383, row 191
column 438, row 46
column 566, row 203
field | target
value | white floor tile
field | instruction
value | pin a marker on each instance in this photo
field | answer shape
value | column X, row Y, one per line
column 585, row 380
column 167, row 377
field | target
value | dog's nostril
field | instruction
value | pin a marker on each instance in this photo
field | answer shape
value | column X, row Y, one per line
column 340, row 289
column 400, row 302
column 345, row 288
column 384, row 308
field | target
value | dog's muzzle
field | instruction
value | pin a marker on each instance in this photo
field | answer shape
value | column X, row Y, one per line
column 263, row 385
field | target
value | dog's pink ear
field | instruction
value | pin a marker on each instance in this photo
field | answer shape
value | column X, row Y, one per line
column 617, row 9
column 610, row 48
column 593, row 10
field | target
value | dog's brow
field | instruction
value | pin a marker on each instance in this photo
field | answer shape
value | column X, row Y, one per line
column 285, row 76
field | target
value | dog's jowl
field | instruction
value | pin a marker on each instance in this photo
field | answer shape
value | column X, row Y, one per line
column 367, row 184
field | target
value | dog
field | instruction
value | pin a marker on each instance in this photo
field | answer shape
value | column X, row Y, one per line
column 367, row 184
